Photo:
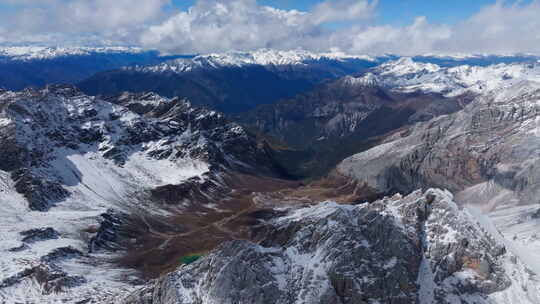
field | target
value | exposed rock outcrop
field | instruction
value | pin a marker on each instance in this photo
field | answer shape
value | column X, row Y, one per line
column 416, row 249
column 487, row 152
column 39, row 234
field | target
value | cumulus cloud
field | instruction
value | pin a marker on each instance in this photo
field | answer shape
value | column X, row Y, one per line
column 67, row 21
column 244, row 24
column 213, row 25
column 502, row 27
column 418, row 38
column 223, row 25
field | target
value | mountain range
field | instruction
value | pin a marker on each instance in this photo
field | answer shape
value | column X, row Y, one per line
column 22, row 67
column 270, row 177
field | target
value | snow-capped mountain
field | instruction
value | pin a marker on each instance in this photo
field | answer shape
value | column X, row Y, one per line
column 407, row 91
column 68, row 160
column 453, row 60
column 262, row 57
column 408, row 75
column 231, row 82
column 26, row 53
column 486, row 152
column 22, row 67
column 271, row 57
column 416, row 249
column 239, row 81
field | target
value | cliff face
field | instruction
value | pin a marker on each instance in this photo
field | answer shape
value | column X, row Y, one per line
column 416, row 249
column 487, row 153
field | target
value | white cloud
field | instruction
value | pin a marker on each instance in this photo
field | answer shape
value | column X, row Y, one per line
column 213, row 25
column 222, row 25
column 419, row 37
column 65, row 21
column 243, row 24
column 343, row 10
column 501, row 27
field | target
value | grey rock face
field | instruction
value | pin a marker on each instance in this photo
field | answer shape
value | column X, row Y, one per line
column 39, row 234
column 61, row 253
column 416, row 249
column 109, row 232
column 47, row 273
column 41, row 193
column 51, row 277
column 489, row 152
column 40, row 127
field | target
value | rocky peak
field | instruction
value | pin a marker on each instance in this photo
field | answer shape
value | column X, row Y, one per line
column 408, row 75
column 48, row 125
column 26, row 53
column 406, row 66
column 416, row 249
column 97, row 169
column 490, row 146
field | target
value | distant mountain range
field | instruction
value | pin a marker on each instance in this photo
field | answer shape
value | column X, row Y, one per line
column 22, row 67
column 229, row 82
column 353, row 112
column 232, row 82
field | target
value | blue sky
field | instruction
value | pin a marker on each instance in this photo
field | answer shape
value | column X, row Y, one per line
column 400, row 12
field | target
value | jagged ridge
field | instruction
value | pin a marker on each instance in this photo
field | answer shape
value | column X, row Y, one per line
column 416, row 249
